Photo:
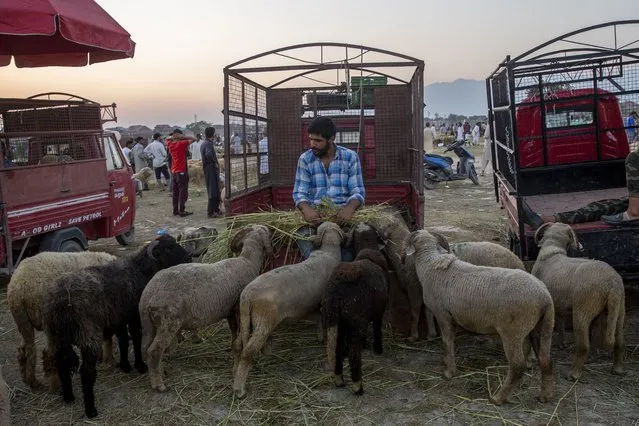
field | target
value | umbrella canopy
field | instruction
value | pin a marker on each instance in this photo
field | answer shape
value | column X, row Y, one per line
column 72, row 33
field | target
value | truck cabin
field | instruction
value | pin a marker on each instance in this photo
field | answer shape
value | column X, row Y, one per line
column 557, row 116
column 375, row 100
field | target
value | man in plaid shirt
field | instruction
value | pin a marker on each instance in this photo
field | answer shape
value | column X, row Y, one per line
column 327, row 170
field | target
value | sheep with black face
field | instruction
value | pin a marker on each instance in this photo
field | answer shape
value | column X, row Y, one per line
column 90, row 304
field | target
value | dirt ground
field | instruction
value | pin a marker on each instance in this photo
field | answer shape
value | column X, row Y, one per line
column 404, row 385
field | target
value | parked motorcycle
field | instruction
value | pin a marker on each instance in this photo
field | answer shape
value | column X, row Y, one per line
column 438, row 168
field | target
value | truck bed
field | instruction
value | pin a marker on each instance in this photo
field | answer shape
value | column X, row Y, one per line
column 546, row 205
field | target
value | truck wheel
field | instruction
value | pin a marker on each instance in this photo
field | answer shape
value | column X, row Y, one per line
column 127, row 238
column 70, row 246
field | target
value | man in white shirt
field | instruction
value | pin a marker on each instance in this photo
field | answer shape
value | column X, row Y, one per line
column 157, row 150
column 236, row 142
column 127, row 152
column 195, row 148
column 428, row 139
column 434, row 130
column 460, row 132
column 262, row 147
column 476, row 131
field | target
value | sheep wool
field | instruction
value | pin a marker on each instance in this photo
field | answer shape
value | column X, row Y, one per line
column 85, row 306
column 589, row 290
column 192, row 296
column 486, row 300
column 290, row 291
column 33, row 277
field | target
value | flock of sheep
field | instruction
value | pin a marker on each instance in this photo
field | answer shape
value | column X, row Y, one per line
column 83, row 299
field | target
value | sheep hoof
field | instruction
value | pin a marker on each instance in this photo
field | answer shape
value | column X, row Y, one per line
column 378, row 350
column 411, row 339
column 357, row 388
column 240, row 393
column 574, row 376
column 619, row 371
column 141, row 367
column 449, row 374
column 544, row 398
column 338, row 379
column 91, row 412
column 68, row 398
column 125, row 367
column 160, row 388
column 496, row 401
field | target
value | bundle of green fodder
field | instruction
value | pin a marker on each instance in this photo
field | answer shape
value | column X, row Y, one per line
column 283, row 226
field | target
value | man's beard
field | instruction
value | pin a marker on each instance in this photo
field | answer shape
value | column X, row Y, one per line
column 319, row 153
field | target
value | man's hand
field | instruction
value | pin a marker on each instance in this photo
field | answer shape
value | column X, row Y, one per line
column 344, row 215
column 310, row 215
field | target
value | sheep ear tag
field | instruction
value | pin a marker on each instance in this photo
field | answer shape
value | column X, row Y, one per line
column 410, row 250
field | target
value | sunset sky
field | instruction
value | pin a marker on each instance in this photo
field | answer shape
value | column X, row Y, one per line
column 183, row 46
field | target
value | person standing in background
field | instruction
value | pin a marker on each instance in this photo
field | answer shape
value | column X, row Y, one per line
column 194, row 149
column 488, row 151
column 178, row 147
column 140, row 158
column 157, row 151
column 262, row 148
column 211, row 173
column 428, row 139
column 127, row 153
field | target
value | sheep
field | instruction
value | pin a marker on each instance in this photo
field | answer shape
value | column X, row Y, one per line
column 480, row 253
column 25, row 295
column 55, row 158
column 486, row 300
column 197, row 240
column 393, row 228
column 84, row 306
column 290, row 291
column 582, row 287
column 5, row 404
column 189, row 297
column 484, row 253
column 356, row 294
column 140, row 178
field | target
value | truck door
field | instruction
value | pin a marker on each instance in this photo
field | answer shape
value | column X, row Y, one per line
column 121, row 189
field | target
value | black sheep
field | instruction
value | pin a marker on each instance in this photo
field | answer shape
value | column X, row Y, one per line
column 86, row 306
column 356, row 295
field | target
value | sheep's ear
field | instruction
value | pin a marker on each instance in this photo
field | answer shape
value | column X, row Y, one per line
column 574, row 241
column 410, row 250
column 442, row 241
column 539, row 234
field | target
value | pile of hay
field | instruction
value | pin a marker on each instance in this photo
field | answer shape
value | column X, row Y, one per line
column 283, row 225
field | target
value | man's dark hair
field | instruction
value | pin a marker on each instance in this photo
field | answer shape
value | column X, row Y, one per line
column 156, row 136
column 209, row 132
column 322, row 126
column 129, row 142
column 139, row 138
column 178, row 131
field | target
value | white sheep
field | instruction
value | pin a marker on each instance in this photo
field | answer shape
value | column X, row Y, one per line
column 33, row 277
column 5, row 404
column 197, row 240
column 484, row 253
column 587, row 289
column 192, row 296
column 480, row 253
column 486, row 300
column 290, row 291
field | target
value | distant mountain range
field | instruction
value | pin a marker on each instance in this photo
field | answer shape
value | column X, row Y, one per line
column 466, row 97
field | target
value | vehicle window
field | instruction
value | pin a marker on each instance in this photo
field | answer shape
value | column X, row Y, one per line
column 347, row 137
column 568, row 118
column 113, row 160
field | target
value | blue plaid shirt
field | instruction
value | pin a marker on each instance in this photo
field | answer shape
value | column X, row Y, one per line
column 341, row 184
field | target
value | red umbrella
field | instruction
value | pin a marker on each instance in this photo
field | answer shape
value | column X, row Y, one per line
column 72, row 33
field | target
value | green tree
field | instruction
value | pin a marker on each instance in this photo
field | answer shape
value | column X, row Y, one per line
column 198, row 127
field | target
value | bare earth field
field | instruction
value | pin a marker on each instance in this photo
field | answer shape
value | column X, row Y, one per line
column 404, row 385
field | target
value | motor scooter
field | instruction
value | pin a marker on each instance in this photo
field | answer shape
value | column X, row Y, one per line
column 438, row 168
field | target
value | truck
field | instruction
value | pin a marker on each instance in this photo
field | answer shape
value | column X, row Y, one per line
column 63, row 179
column 376, row 99
column 556, row 113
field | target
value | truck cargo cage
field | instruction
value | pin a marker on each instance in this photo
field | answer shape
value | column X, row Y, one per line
column 374, row 96
column 558, row 116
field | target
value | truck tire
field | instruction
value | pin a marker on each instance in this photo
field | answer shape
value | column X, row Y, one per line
column 127, row 238
column 70, row 246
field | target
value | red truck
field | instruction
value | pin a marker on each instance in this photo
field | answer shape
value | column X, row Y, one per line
column 556, row 114
column 63, row 180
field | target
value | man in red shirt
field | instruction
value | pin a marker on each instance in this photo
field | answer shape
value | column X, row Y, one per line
column 178, row 146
